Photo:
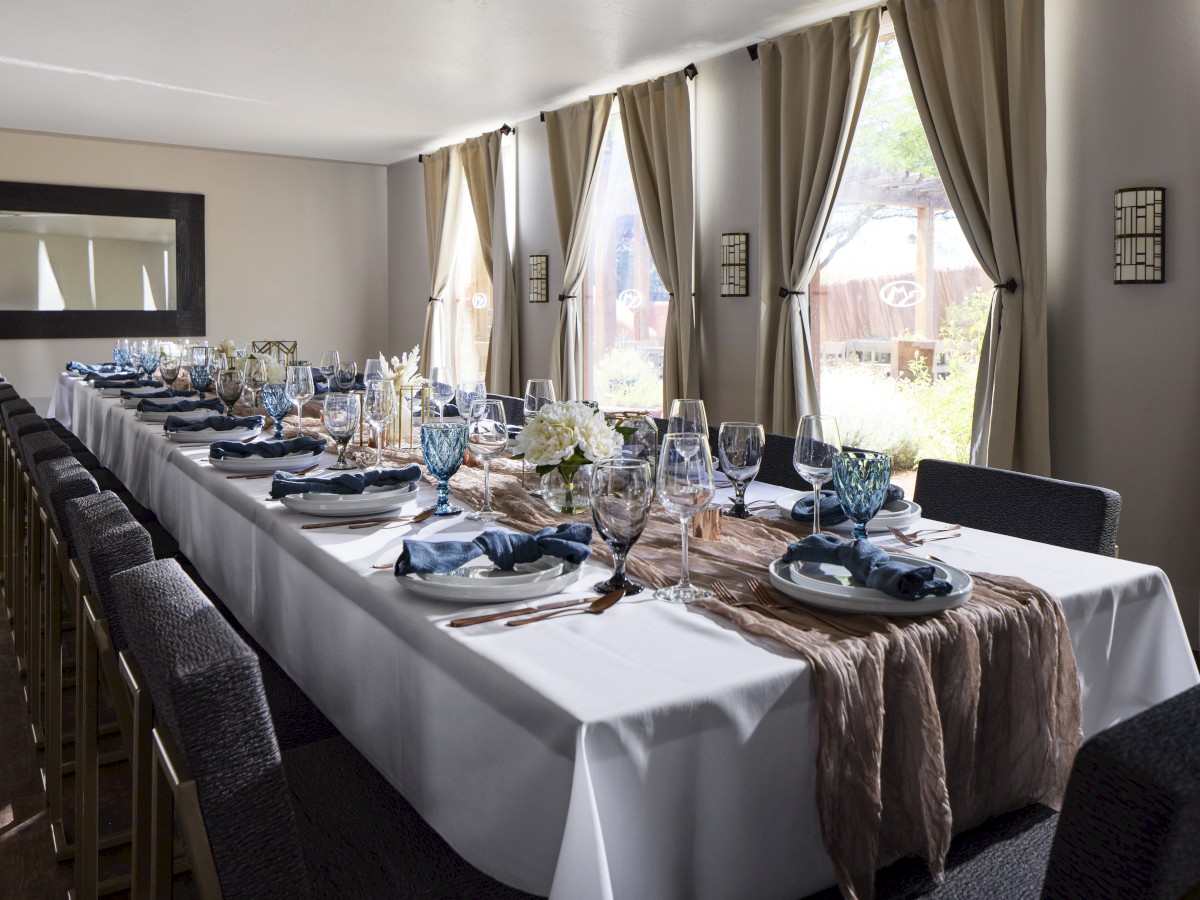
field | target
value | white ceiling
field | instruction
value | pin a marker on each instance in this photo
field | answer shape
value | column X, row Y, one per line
column 373, row 81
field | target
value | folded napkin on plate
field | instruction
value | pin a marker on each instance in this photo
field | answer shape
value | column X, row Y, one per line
column 163, row 394
column 98, row 368
column 568, row 541
column 129, row 382
column 213, row 423
column 286, row 483
column 180, row 405
column 831, row 510
column 870, row 566
column 265, row 449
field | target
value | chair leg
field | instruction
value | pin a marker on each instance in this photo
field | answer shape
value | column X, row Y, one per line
column 162, row 836
column 33, row 624
column 142, row 758
column 54, row 697
column 87, row 824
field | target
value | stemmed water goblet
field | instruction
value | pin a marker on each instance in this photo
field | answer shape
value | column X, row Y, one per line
column 861, row 478
column 148, row 357
column 201, row 370
column 622, row 491
column 276, row 402
column 372, row 370
column 466, row 393
column 343, row 375
column 442, row 446
column 228, row 384
column 255, row 375
column 169, row 366
column 299, row 388
column 818, row 441
column 441, row 387
column 487, row 438
column 341, row 419
column 379, row 408
column 539, row 392
column 330, row 360
column 121, row 352
column 740, row 451
column 685, row 486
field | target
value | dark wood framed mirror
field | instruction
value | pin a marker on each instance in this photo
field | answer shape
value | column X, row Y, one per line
column 100, row 262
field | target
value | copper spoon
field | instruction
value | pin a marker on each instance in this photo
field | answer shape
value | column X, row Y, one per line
column 595, row 608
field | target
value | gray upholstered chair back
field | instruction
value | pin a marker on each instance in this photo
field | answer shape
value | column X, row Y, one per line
column 61, row 480
column 109, row 540
column 206, row 687
column 1064, row 513
column 11, row 408
column 26, row 424
column 1130, row 821
column 39, row 447
column 514, row 408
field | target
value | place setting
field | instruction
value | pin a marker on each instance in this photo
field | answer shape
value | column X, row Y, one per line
column 205, row 428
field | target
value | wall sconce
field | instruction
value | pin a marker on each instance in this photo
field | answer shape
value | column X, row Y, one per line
column 735, row 264
column 539, row 278
column 1138, row 235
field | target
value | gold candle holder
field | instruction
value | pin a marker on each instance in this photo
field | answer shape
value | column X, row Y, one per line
column 362, row 418
column 412, row 403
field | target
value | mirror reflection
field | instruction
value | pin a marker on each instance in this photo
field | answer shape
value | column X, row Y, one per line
column 60, row 261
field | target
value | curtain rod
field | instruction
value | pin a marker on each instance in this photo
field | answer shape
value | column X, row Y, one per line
column 503, row 129
column 689, row 70
column 753, row 48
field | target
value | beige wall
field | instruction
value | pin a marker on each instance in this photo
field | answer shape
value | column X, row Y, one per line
column 294, row 248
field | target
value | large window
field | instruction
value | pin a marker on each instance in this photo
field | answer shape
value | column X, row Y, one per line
column 899, row 303
column 469, row 304
column 624, row 300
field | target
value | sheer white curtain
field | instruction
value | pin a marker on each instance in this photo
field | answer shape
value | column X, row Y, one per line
column 978, row 73
column 813, row 83
column 443, row 185
column 656, row 119
column 574, row 135
column 488, row 162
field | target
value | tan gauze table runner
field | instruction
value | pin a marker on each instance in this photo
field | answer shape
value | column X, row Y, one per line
column 928, row 725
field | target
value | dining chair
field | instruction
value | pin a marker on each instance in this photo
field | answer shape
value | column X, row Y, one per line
column 1078, row 516
column 259, row 823
column 514, row 408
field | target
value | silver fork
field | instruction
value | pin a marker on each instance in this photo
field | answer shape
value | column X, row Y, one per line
column 763, row 592
column 911, row 541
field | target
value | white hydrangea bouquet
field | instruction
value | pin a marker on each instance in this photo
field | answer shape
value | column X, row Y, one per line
column 564, row 437
column 275, row 370
column 228, row 347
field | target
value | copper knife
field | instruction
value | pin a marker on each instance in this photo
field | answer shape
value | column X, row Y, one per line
column 524, row 610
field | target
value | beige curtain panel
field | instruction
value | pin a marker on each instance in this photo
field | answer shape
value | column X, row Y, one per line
column 657, row 121
column 813, row 83
column 443, row 183
column 574, row 135
column 492, row 198
column 977, row 69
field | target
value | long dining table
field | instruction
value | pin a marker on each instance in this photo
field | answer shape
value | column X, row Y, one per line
column 655, row 751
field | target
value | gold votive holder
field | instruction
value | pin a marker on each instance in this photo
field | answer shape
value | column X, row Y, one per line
column 412, row 404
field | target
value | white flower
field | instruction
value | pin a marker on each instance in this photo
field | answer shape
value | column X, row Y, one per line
column 404, row 368
column 276, row 371
column 559, row 429
column 228, row 347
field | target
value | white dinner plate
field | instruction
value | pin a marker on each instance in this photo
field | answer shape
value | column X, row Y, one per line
column 372, row 500
column 208, row 435
column 830, row 586
column 161, row 416
column 249, row 465
column 897, row 514
column 132, row 402
column 481, row 569
column 112, row 393
column 471, row 588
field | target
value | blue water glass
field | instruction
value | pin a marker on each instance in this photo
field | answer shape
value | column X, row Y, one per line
column 277, row 403
column 443, row 445
column 121, row 356
column 149, row 362
column 202, row 376
column 861, row 479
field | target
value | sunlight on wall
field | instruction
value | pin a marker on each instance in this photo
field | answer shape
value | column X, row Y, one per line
column 50, row 295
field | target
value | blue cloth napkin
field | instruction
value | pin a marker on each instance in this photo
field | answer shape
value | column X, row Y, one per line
column 157, row 395
column 126, row 382
column 180, row 405
column 97, row 369
column 831, row 510
column 871, row 566
column 568, row 541
column 265, row 449
column 285, row 483
column 213, row 423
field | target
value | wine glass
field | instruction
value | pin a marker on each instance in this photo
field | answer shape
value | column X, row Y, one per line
column 861, row 478
column 373, row 370
column 441, row 387
column 539, row 392
column 740, row 450
column 169, row 366
column 817, row 442
column 379, row 406
column 341, row 419
column 299, row 388
column 685, row 486
column 148, row 357
column 276, row 402
column 255, row 375
column 466, row 393
column 201, row 369
column 330, row 360
column 622, row 491
column 689, row 417
column 487, row 438
column 442, row 445
column 228, row 385
column 343, row 375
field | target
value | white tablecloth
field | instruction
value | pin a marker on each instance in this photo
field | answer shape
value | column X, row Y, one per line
column 653, row 752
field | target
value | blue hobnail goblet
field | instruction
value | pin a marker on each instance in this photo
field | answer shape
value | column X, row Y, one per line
column 202, row 376
column 443, row 445
column 149, row 361
column 277, row 403
column 861, row 479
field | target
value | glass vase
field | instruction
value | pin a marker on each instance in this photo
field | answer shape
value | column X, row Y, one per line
column 567, row 490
